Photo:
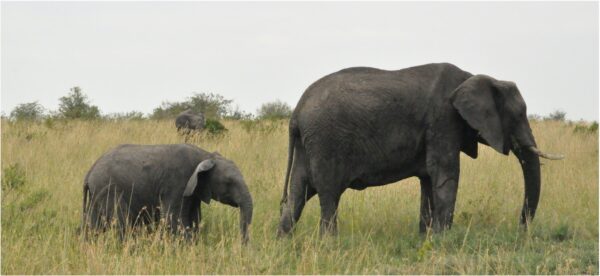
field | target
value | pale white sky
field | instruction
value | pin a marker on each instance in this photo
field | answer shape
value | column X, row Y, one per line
column 134, row 55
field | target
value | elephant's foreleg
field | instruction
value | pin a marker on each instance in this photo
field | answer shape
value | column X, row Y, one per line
column 444, row 188
column 426, row 204
column 172, row 216
column 195, row 216
column 443, row 166
column 191, row 217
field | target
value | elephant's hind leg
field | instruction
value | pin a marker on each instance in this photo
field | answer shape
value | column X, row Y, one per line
column 329, row 202
column 300, row 192
column 329, row 183
column 108, row 210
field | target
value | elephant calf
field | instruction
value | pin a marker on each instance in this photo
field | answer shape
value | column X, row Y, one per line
column 139, row 184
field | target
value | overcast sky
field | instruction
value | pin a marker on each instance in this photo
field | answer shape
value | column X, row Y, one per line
column 133, row 55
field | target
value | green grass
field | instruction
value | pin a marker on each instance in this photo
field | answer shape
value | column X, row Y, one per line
column 44, row 166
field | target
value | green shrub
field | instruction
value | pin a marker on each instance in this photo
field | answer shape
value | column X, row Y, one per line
column 33, row 200
column 214, row 127
column 13, row 177
column 561, row 232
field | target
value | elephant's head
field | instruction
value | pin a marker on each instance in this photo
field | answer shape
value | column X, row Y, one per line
column 219, row 179
column 193, row 120
column 497, row 115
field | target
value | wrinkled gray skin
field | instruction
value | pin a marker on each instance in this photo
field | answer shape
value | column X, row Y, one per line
column 363, row 127
column 149, row 182
column 189, row 121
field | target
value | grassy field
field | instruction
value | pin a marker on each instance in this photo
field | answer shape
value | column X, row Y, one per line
column 44, row 166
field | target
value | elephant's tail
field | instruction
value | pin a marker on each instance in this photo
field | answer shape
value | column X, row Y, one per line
column 292, row 144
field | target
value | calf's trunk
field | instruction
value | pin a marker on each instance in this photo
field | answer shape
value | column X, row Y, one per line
column 245, row 203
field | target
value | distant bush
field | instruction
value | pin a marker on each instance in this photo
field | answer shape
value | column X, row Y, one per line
column 13, row 177
column 584, row 128
column 127, row 116
column 274, row 110
column 32, row 111
column 593, row 127
column 534, row 117
column 76, row 106
column 557, row 115
column 238, row 114
column 214, row 127
column 264, row 126
column 209, row 104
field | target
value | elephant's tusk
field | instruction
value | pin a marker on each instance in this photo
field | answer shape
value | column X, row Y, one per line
column 546, row 155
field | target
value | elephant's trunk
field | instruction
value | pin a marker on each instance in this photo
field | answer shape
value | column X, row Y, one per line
column 245, row 202
column 530, row 163
column 524, row 147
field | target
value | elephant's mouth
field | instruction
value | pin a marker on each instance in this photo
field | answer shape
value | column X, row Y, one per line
column 534, row 149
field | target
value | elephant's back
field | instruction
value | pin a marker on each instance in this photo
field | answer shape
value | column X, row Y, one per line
column 345, row 94
column 129, row 165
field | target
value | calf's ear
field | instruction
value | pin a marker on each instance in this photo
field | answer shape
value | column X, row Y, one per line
column 204, row 190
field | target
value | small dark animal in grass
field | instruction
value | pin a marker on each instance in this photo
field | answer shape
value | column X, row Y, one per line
column 188, row 121
column 363, row 127
column 140, row 184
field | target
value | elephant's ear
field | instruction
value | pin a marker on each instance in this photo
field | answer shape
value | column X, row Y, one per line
column 475, row 100
column 205, row 192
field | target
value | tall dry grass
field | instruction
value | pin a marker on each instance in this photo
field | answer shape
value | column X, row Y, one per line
column 378, row 226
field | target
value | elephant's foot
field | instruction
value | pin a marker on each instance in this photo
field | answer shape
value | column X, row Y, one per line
column 285, row 226
column 282, row 233
column 441, row 226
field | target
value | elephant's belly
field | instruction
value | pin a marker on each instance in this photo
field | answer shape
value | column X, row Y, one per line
column 365, row 181
column 388, row 175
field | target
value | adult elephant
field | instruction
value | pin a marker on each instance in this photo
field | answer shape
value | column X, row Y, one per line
column 189, row 121
column 363, row 127
column 138, row 184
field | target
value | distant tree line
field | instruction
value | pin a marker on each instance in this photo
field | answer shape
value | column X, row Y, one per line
column 76, row 105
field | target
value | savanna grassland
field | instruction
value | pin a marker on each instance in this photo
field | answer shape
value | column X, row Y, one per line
column 43, row 166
